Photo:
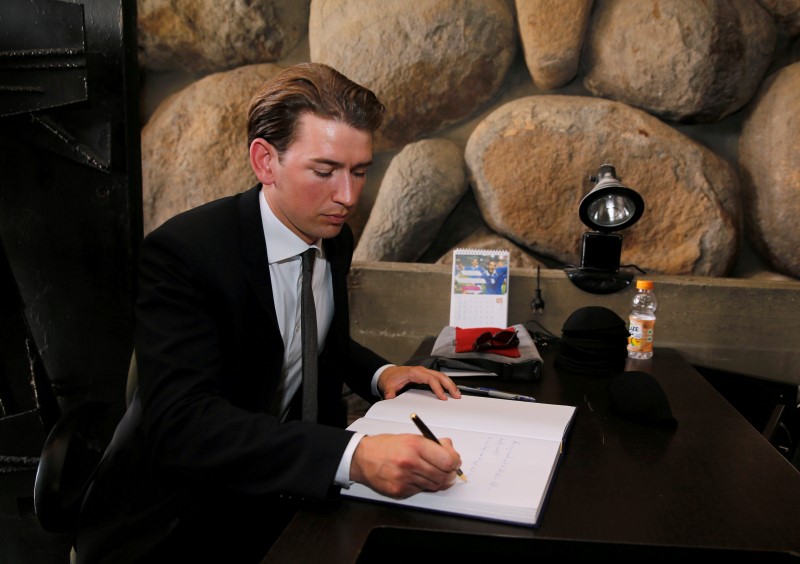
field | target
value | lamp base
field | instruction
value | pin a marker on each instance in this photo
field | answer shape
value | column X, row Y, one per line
column 598, row 282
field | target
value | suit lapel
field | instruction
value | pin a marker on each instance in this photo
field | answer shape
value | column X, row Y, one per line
column 338, row 251
column 254, row 250
column 334, row 256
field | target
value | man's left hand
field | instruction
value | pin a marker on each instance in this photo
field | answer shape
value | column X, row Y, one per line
column 395, row 378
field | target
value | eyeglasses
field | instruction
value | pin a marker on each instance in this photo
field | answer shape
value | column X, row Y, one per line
column 505, row 339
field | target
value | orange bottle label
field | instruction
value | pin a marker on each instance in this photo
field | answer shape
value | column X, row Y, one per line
column 641, row 330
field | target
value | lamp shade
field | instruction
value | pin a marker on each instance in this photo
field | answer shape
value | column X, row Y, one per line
column 610, row 206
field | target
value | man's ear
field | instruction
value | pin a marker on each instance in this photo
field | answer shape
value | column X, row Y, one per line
column 262, row 157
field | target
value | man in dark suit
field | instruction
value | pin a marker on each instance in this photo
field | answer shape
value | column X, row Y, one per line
column 211, row 459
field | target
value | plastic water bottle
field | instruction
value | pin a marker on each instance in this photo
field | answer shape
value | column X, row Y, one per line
column 642, row 321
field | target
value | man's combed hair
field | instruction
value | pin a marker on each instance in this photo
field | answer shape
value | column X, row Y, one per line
column 309, row 87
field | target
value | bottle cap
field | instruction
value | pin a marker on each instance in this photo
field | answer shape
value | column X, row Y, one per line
column 644, row 284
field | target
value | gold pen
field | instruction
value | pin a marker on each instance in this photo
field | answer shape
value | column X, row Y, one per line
column 429, row 435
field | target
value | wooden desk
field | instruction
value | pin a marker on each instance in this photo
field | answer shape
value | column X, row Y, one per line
column 713, row 488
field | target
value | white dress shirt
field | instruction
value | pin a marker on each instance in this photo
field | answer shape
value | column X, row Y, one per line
column 283, row 250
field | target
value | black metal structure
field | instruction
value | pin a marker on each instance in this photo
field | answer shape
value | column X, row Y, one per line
column 70, row 220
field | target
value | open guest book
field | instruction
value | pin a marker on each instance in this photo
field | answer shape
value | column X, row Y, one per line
column 509, row 452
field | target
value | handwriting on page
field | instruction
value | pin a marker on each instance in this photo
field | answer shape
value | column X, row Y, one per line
column 492, row 461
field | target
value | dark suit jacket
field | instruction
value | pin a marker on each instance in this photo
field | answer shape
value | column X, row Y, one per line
column 209, row 354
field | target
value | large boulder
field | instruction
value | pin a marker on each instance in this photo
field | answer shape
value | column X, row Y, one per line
column 769, row 161
column 423, row 184
column 431, row 62
column 530, row 161
column 213, row 35
column 682, row 60
column 786, row 14
column 194, row 148
column 552, row 32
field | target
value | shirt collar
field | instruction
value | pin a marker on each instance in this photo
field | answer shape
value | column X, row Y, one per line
column 282, row 242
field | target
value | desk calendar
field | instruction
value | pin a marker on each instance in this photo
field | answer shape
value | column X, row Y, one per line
column 479, row 289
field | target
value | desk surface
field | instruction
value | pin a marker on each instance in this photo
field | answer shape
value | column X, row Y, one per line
column 622, row 489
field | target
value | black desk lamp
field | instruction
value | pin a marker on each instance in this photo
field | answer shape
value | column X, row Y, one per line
column 609, row 207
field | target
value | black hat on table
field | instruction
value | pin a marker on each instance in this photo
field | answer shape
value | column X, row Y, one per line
column 594, row 341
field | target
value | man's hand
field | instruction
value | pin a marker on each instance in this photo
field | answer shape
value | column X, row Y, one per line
column 399, row 466
column 395, row 378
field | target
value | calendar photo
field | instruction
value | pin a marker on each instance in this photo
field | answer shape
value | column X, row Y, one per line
column 479, row 290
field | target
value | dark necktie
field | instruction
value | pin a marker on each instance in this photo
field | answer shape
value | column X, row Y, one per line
column 308, row 316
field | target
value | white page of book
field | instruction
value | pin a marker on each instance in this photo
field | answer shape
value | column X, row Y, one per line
column 507, row 476
column 488, row 415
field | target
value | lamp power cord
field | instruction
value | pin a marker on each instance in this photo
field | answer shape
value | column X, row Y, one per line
column 537, row 304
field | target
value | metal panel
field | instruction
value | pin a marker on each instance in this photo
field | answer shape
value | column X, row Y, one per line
column 42, row 55
column 70, row 194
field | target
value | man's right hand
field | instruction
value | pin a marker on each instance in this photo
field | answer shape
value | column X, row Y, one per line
column 400, row 466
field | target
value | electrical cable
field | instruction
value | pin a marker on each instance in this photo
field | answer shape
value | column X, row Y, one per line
column 537, row 305
column 542, row 336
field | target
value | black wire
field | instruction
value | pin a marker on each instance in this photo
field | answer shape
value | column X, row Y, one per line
column 632, row 266
column 537, row 305
column 542, row 336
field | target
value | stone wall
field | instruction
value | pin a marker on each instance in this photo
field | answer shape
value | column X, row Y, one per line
column 499, row 111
